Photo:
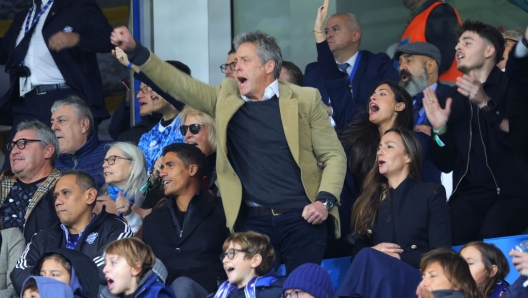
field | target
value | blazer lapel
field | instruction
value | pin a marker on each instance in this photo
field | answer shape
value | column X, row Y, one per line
column 290, row 119
column 362, row 67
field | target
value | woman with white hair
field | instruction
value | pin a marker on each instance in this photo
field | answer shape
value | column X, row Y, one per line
column 125, row 172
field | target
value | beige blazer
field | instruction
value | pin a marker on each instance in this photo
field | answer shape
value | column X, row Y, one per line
column 13, row 244
column 310, row 136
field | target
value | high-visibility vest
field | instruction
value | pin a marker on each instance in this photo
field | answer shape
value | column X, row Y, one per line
column 416, row 32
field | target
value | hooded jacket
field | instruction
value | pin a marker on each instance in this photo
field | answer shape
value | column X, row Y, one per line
column 51, row 288
column 103, row 229
column 83, row 269
column 88, row 158
column 150, row 285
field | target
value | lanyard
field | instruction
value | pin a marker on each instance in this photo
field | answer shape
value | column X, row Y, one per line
column 37, row 17
column 354, row 69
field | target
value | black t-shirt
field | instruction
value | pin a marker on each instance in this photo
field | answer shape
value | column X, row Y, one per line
column 16, row 203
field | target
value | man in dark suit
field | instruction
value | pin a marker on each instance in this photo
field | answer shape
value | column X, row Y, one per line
column 50, row 52
column 188, row 232
column 364, row 69
column 419, row 62
column 517, row 63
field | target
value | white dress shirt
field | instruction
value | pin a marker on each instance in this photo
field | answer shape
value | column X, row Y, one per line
column 271, row 90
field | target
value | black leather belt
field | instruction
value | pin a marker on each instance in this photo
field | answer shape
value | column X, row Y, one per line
column 267, row 211
column 43, row 89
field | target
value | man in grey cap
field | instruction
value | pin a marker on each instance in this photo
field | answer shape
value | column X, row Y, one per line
column 418, row 69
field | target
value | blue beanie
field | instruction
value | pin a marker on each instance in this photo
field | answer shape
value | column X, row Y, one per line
column 310, row 278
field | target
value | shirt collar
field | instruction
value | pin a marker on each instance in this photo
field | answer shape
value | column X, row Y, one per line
column 433, row 86
column 351, row 61
column 269, row 92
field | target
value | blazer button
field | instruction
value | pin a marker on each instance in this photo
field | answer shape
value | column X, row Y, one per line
column 413, row 246
column 177, row 250
column 369, row 231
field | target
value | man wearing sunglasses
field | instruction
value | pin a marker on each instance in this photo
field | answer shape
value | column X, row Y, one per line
column 26, row 199
column 271, row 137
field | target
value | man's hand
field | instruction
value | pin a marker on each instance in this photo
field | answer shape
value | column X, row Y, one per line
column 426, row 129
column 319, row 25
column 122, row 38
column 435, row 114
column 470, row 86
column 520, row 260
column 63, row 40
column 392, row 249
column 315, row 213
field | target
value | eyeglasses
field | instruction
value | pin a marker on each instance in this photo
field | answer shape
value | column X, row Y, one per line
column 112, row 159
column 145, row 89
column 231, row 66
column 193, row 128
column 230, row 254
column 292, row 294
column 20, row 143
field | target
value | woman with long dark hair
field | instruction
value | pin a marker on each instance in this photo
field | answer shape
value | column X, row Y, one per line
column 396, row 219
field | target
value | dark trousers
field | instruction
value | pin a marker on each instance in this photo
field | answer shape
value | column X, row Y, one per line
column 294, row 240
column 35, row 107
column 475, row 218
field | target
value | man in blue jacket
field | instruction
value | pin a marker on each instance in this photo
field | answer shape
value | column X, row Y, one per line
column 80, row 148
column 363, row 69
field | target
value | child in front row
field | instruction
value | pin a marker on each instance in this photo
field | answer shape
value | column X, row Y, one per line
column 247, row 260
column 128, row 271
column 44, row 287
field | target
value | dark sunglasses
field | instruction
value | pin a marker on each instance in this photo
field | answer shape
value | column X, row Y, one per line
column 193, row 128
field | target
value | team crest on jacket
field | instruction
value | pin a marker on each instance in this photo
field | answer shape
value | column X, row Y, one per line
column 68, row 29
column 91, row 238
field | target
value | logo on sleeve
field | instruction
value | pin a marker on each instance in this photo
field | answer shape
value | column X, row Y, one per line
column 68, row 29
column 91, row 238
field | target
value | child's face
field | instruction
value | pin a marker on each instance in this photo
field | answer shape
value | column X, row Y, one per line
column 240, row 270
column 30, row 293
column 53, row 269
column 121, row 278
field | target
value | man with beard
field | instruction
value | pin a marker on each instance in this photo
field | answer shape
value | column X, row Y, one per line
column 418, row 69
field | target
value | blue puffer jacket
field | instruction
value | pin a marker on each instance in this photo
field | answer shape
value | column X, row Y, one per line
column 149, row 286
column 88, row 158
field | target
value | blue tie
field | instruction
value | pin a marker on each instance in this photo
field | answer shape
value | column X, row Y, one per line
column 418, row 105
column 343, row 68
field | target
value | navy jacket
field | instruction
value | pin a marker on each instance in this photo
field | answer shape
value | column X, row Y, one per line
column 334, row 84
column 78, row 65
column 88, row 158
column 505, row 152
column 516, row 289
column 414, row 216
column 516, row 68
column 192, row 250
column 103, row 229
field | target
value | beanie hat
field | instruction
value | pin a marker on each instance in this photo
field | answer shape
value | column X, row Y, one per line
column 310, row 278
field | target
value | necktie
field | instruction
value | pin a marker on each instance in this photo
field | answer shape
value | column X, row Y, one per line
column 343, row 68
column 417, row 106
column 22, row 48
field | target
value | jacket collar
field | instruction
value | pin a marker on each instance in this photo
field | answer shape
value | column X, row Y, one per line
column 91, row 144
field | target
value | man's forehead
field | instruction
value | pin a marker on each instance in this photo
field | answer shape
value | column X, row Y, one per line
column 27, row 134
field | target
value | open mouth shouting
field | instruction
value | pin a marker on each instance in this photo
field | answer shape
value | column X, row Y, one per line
column 459, row 56
column 241, row 81
column 373, row 108
column 405, row 75
column 229, row 269
column 110, row 282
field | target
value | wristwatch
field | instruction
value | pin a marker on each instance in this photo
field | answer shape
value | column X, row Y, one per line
column 328, row 204
column 490, row 105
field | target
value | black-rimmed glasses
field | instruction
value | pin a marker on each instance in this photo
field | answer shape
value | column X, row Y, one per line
column 193, row 128
column 230, row 254
column 112, row 159
column 20, row 143
column 292, row 294
column 231, row 66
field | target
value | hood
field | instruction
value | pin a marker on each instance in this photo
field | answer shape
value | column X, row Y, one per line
column 83, row 271
column 50, row 288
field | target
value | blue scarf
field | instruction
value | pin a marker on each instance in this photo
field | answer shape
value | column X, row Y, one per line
column 249, row 290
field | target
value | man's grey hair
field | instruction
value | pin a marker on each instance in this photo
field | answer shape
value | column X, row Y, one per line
column 44, row 134
column 81, row 109
column 353, row 22
column 267, row 48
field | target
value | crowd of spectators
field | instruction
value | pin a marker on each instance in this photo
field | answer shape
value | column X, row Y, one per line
column 271, row 167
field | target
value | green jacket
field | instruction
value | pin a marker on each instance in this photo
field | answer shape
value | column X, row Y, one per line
column 310, row 136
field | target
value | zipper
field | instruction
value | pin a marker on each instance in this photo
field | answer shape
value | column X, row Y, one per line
column 497, row 188
column 185, row 221
column 469, row 150
column 74, row 161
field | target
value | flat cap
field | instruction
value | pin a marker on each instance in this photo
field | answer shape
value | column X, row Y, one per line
column 419, row 48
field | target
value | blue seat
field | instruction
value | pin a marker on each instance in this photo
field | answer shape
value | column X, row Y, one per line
column 337, row 268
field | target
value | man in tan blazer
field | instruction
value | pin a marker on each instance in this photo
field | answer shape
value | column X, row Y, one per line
column 280, row 165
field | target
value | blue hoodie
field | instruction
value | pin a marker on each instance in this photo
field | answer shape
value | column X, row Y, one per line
column 50, row 288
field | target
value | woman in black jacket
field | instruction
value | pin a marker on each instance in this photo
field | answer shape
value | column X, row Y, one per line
column 396, row 216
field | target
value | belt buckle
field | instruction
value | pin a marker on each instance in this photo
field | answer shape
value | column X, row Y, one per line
column 38, row 92
column 275, row 213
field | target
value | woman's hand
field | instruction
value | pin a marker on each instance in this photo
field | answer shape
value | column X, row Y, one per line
column 319, row 26
column 391, row 249
column 435, row 114
column 123, row 205
column 423, row 292
column 121, row 56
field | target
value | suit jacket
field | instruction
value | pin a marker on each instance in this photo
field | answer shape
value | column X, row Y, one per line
column 372, row 69
column 192, row 250
column 78, row 65
column 516, row 67
column 414, row 216
column 308, row 131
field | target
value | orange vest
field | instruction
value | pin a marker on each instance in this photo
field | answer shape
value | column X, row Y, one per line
column 416, row 32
